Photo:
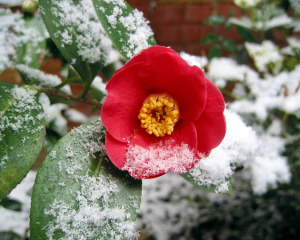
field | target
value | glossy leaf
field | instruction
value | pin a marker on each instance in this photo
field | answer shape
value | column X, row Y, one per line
column 215, row 20
column 78, row 34
column 229, row 45
column 210, row 38
column 215, row 51
column 79, row 192
column 11, row 204
column 29, row 53
column 128, row 31
column 246, row 34
column 212, row 188
column 22, row 127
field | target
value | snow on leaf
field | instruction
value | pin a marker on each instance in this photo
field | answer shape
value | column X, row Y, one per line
column 77, row 32
column 85, row 196
column 22, row 127
column 127, row 28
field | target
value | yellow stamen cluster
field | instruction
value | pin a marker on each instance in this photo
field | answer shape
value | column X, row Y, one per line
column 159, row 114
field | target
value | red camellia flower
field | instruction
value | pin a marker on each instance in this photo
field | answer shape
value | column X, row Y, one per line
column 161, row 115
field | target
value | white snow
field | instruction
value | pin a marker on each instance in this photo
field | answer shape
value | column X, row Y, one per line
column 269, row 166
column 18, row 221
column 39, row 78
column 200, row 62
column 98, row 205
column 91, row 39
column 160, row 157
column 238, row 148
column 264, row 54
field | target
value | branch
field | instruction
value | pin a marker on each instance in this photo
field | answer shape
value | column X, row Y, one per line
column 54, row 92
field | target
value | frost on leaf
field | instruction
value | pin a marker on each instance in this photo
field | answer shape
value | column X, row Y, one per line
column 81, row 27
column 87, row 198
column 128, row 29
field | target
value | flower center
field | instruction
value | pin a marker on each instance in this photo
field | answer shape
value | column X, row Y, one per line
column 159, row 114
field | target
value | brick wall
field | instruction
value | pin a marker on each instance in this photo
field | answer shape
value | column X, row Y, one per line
column 178, row 23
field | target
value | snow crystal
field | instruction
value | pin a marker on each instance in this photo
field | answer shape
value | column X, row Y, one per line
column 8, row 39
column 238, row 148
column 96, row 206
column 39, row 78
column 91, row 39
column 18, row 221
column 264, row 54
column 139, row 32
column 14, row 33
column 18, row 115
column 200, row 62
column 160, row 157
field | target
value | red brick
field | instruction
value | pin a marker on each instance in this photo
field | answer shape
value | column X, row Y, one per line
column 197, row 49
column 191, row 33
column 224, row 9
column 167, row 15
column 166, row 34
column 197, row 13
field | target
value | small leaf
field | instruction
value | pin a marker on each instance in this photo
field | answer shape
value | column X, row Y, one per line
column 215, row 20
column 212, row 188
column 126, row 27
column 78, row 34
column 229, row 45
column 9, row 236
column 296, row 6
column 22, row 126
column 246, row 34
column 215, row 51
column 210, row 38
column 11, row 204
column 79, row 192
column 30, row 52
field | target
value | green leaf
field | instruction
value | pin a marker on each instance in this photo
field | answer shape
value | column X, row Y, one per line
column 9, row 236
column 215, row 20
column 79, row 192
column 22, row 127
column 11, row 204
column 125, row 27
column 295, row 4
column 78, row 34
column 30, row 52
column 229, row 45
column 215, row 51
column 210, row 38
column 246, row 34
column 212, row 188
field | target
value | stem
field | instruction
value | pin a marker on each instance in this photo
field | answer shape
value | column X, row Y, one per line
column 84, row 92
column 61, row 84
column 99, row 166
column 54, row 92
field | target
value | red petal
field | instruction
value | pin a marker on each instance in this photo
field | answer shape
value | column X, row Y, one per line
column 120, row 110
column 211, row 126
column 169, row 73
column 146, row 55
column 185, row 132
column 116, row 150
